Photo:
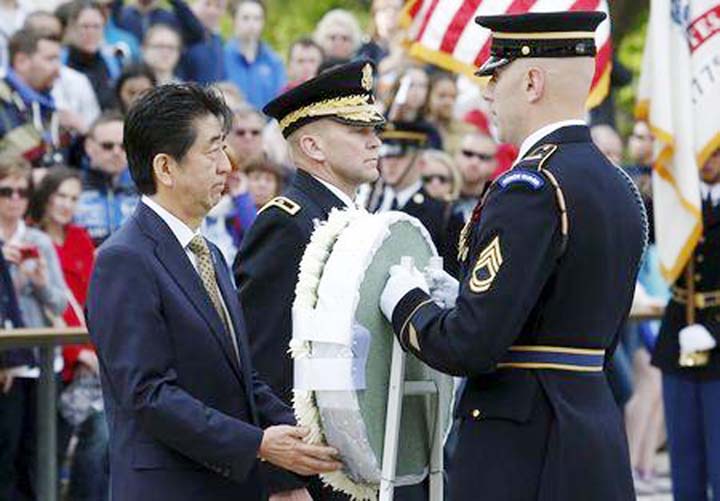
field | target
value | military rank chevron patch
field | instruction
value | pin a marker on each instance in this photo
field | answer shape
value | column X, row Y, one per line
column 486, row 267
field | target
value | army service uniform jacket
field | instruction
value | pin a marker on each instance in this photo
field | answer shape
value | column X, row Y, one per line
column 550, row 260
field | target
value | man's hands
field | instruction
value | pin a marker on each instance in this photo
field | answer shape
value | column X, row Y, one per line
column 402, row 280
column 443, row 287
column 296, row 495
column 695, row 338
column 283, row 446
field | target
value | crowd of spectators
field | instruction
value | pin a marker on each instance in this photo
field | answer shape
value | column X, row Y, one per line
column 69, row 74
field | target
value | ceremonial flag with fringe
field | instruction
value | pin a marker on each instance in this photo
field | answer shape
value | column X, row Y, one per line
column 679, row 96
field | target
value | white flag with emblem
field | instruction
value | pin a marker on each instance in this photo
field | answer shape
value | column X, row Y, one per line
column 679, row 96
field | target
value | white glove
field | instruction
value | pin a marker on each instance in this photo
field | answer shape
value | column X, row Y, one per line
column 696, row 337
column 443, row 287
column 402, row 280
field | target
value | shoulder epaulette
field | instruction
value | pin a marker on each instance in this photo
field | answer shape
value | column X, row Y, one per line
column 284, row 204
column 538, row 157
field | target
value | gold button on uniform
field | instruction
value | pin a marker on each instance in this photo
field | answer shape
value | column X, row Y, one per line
column 476, row 413
column 700, row 258
column 698, row 277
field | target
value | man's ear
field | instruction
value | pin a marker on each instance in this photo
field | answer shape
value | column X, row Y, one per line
column 534, row 84
column 20, row 62
column 164, row 168
column 311, row 146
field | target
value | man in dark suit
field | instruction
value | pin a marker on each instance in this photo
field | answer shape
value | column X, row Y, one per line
column 335, row 148
column 188, row 417
column 400, row 168
column 550, row 258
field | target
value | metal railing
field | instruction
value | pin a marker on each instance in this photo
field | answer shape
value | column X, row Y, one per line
column 45, row 340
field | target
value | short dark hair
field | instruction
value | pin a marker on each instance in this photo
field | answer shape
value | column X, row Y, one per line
column 162, row 121
column 26, row 41
column 305, row 42
column 48, row 186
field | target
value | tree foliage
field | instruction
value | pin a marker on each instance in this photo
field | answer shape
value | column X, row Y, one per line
column 288, row 20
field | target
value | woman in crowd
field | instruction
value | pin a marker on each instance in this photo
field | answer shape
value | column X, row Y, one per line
column 86, row 54
column 440, row 176
column 407, row 100
column 161, row 51
column 40, row 289
column 134, row 81
column 265, row 181
column 440, row 110
column 52, row 210
column 339, row 34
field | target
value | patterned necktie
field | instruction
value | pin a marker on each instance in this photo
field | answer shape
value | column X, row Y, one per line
column 206, row 270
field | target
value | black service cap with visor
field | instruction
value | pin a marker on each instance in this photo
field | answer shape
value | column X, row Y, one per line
column 401, row 138
column 539, row 34
column 343, row 93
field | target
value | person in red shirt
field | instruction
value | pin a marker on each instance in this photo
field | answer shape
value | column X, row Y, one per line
column 52, row 209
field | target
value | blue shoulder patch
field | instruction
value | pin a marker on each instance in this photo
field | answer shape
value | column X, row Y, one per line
column 530, row 179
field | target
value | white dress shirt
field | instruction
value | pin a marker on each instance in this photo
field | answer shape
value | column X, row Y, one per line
column 711, row 191
column 541, row 133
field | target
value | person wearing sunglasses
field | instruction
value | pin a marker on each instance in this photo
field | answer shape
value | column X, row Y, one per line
column 401, row 164
column 440, row 176
column 40, row 289
column 109, row 196
column 477, row 161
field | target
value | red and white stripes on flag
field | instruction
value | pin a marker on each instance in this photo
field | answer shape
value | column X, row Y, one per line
column 443, row 32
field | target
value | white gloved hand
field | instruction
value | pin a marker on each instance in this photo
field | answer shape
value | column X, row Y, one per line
column 443, row 287
column 402, row 280
column 696, row 337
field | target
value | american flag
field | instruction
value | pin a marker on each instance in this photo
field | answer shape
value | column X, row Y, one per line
column 443, row 32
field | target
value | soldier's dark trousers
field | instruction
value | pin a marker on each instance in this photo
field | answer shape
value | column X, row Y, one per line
column 692, row 412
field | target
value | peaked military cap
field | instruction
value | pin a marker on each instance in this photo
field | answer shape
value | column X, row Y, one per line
column 343, row 93
column 399, row 137
column 539, row 34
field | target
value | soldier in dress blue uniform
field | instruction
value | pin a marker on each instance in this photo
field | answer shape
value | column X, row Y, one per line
column 686, row 352
column 549, row 258
column 330, row 124
column 400, row 168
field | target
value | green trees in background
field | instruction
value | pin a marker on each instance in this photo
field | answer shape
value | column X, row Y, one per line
column 288, row 20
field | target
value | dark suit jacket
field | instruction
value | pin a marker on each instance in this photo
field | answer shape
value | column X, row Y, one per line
column 185, row 417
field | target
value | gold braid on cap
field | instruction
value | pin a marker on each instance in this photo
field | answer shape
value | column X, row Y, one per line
column 356, row 107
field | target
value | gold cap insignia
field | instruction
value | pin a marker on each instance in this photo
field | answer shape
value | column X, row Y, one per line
column 367, row 77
